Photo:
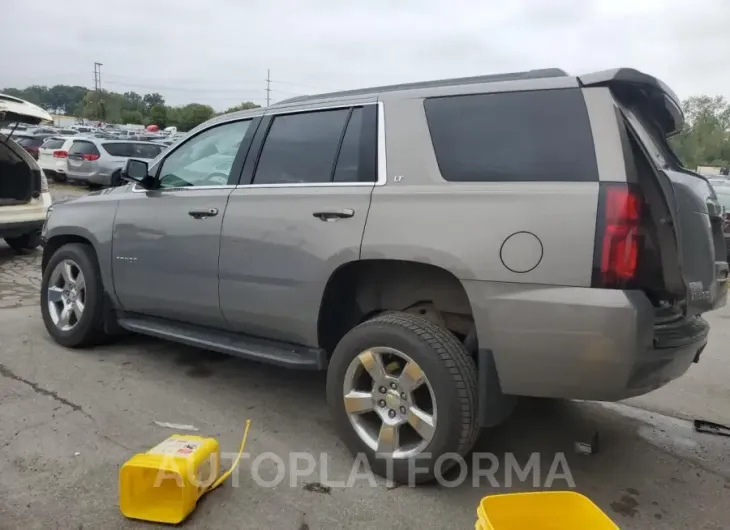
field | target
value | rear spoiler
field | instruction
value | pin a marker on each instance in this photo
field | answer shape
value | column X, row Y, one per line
column 632, row 86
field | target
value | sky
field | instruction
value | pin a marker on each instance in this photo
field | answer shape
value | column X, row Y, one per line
column 219, row 51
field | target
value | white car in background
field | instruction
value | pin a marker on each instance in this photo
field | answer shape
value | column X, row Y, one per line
column 24, row 194
column 53, row 156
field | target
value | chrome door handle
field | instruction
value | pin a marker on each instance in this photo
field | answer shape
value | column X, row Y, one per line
column 334, row 215
column 202, row 213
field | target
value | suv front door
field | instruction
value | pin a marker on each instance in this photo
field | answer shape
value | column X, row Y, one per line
column 166, row 240
column 298, row 215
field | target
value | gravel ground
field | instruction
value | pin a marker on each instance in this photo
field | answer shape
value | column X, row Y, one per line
column 69, row 419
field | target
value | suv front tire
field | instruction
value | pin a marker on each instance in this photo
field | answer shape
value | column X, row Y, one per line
column 72, row 297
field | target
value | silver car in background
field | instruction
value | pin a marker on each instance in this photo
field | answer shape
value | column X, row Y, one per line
column 98, row 161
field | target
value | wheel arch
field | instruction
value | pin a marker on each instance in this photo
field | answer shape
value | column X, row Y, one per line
column 360, row 289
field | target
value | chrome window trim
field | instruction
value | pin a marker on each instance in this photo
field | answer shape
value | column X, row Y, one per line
column 382, row 176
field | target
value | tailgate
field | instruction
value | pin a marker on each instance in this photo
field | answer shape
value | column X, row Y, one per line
column 688, row 217
column 77, row 164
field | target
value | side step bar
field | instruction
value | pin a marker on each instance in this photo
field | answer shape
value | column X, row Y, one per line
column 238, row 345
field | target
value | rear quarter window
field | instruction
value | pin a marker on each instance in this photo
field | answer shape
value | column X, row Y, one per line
column 145, row 150
column 118, row 149
column 540, row 135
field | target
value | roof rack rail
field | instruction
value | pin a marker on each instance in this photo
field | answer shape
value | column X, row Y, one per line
column 492, row 78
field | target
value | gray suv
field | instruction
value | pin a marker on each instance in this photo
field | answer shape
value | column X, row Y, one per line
column 438, row 248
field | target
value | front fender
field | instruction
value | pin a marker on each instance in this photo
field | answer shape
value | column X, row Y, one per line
column 88, row 219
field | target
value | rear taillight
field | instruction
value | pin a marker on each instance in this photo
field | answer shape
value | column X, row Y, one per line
column 60, row 154
column 617, row 235
column 90, row 157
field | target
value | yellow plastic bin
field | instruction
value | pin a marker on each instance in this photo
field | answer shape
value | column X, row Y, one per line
column 544, row 510
column 164, row 484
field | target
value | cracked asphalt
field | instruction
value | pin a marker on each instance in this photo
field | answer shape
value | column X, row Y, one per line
column 70, row 418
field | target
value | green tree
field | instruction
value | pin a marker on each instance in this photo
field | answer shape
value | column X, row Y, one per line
column 132, row 116
column 705, row 138
column 150, row 100
column 158, row 116
column 193, row 115
column 243, row 106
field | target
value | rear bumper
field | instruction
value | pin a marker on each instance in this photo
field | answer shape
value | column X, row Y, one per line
column 90, row 178
column 19, row 229
column 580, row 343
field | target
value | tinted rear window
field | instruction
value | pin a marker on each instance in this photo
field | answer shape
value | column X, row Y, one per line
column 31, row 141
column 53, row 144
column 513, row 136
column 83, row 148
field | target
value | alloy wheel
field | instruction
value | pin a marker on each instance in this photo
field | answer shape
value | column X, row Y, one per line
column 390, row 402
column 66, row 295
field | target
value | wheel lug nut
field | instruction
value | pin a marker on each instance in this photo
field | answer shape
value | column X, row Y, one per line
column 381, row 402
column 382, row 390
column 393, row 386
column 402, row 410
column 403, row 396
column 391, row 413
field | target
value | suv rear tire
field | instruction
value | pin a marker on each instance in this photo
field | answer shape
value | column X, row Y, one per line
column 450, row 379
column 87, row 329
column 24, row 243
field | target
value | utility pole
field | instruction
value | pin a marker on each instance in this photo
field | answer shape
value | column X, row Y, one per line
column 268, row 87
column 97, row 89
column 97, row 76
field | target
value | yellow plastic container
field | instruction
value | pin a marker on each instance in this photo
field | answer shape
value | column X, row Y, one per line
column 164, row 484
column 544, row 510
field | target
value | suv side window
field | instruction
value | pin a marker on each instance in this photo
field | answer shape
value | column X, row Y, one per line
column 301, row 148
column 206, row 159
column 541, row 135
column 348, row 168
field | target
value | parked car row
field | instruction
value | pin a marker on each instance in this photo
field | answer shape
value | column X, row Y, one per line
column 93, row 161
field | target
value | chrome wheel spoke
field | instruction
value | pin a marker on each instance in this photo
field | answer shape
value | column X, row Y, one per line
column 64, row 318
column 388, row 439
column 78, row 308
column 80, row 282
column 373, row 363
column 67, row 272
column 55, row 294
column 411, row 377
column 422, row 422
column 357, row 402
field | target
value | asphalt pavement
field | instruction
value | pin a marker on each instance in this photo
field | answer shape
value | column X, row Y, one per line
column 70, row 418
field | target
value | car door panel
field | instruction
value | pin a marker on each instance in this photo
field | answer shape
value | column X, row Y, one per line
column 276, row 256
column 298, row 218
column 167, row 265
column 167, row 241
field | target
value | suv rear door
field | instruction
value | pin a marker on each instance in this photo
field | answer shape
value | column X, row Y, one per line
column 688, row 217
column 298, row 216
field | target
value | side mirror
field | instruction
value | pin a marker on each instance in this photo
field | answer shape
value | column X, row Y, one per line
column 135, row 171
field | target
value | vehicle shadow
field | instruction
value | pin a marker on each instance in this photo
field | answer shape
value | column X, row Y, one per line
column 7, row 254
column 534, row 450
